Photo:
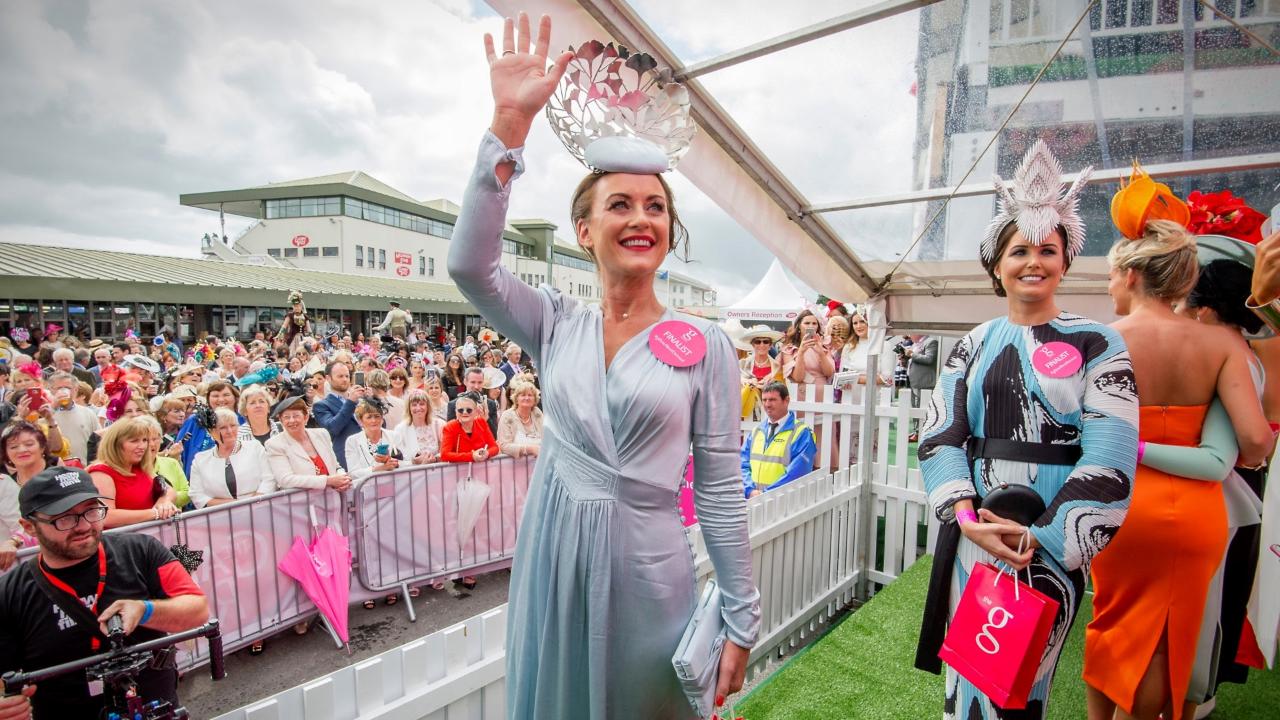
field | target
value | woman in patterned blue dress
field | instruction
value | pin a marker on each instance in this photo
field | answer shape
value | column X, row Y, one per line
column 998, row 417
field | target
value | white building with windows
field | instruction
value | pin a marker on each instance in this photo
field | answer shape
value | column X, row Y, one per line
column 354, row 224
column 1158, row 81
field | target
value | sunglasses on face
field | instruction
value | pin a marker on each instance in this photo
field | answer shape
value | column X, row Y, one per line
column 761, row 341
column 464, row 411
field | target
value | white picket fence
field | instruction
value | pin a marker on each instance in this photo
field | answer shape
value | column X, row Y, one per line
column 816, row 545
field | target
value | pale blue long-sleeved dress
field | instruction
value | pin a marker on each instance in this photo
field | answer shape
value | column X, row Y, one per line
column 603, row 581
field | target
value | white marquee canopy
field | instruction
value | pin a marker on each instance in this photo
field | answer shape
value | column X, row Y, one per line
column 774, row 298
column 990, row 77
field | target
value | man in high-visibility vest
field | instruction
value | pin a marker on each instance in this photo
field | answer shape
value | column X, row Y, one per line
column 781, row 449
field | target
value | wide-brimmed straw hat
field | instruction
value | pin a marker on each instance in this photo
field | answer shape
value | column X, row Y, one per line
column 494, row 378
column 763, row 331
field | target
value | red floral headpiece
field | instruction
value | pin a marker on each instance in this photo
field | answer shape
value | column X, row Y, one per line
column 1222, row 213
column 31, row 369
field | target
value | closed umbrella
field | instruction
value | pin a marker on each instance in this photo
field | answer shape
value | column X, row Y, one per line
column 472, row 496
column 323, row 569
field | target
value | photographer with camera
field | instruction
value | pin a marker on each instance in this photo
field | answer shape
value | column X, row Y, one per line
column 57, row 607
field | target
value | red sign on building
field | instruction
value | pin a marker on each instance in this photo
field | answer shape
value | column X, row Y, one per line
column 404, row 259
column 301, row 240
column 402, row 270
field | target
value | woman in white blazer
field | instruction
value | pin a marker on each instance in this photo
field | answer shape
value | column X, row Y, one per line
column 373, row 449
column 303, row 457
column 418, row 435
column 232, row 469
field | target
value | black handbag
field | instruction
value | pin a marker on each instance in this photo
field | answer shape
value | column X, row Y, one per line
column 188, row 558
column 1019, row 503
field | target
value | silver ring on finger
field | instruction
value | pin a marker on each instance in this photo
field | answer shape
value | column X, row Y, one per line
column 508, row 52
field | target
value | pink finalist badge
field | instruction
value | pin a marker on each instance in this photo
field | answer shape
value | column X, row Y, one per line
column 677, row 343
column 1057, row 360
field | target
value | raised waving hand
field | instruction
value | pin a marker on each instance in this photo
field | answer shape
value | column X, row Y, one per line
column 520, row 80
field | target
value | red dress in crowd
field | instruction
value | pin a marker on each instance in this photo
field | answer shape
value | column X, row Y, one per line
column 456, row 444
column 133, row 492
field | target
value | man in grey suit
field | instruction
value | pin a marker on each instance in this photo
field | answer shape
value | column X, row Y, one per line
column 922, row 371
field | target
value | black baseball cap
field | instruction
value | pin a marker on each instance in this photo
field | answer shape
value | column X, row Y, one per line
column 56, row 490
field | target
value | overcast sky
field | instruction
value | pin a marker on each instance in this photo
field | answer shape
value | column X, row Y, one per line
column 112, row 108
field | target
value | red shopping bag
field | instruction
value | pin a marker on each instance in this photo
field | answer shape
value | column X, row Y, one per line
column 998, row 635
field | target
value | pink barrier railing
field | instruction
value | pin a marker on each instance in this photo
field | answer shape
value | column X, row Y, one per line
column 399, row 537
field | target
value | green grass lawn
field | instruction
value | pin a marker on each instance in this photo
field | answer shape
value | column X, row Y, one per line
column 912, row 462
column 863, row 668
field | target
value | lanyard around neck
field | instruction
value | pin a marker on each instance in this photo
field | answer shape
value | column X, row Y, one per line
column 97, row 596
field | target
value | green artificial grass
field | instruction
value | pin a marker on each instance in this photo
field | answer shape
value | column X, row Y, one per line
column 912, row 461
column 864, row 668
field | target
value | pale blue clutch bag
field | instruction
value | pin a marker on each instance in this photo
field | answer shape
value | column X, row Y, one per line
column 697, row 658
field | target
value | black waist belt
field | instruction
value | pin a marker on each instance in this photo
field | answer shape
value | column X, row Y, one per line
column 1030, row 452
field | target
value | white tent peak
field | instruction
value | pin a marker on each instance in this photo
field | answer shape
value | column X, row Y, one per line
column 773, row 298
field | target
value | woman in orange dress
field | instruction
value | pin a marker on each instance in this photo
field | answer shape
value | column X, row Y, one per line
column 1150, row 583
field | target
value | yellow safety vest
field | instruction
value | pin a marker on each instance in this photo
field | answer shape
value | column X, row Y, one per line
column 769, row 463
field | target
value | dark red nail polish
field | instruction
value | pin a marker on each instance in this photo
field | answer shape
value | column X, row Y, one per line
column 719, row 700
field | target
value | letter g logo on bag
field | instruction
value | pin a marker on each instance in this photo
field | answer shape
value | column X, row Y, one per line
column 987, row 642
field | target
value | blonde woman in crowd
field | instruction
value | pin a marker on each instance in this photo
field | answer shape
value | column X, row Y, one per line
column 439, row 400
column 418, row 435
column 520, row 426
column 255, row 407
column 853, row 355
column 417, row 374
column 124, row 475
column 166, row 466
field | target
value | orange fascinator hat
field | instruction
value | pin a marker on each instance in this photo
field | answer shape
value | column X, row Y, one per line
column 1142, row 200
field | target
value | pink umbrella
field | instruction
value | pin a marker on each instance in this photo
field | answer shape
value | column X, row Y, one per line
column 324, row 572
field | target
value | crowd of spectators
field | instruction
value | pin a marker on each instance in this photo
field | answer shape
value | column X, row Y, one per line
column 162, row 428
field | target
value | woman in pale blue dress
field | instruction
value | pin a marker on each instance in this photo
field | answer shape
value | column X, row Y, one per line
column 603, row 583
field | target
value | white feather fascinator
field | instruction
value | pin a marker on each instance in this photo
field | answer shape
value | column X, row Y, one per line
column 1038, row 204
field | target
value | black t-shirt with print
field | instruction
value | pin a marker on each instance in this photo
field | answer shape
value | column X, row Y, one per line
column 36, row 634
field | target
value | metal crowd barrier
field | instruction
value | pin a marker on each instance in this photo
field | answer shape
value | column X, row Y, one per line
column 406, row 523
column 243, row 542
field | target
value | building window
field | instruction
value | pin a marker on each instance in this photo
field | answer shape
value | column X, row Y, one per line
column 370, row 258
column 273, row 252
column 303, row 207
column 382, row 259
column 422, row 264
column 310, row 252
column 291, row 252
column 384, row 215
column 359, row 256
column 431, row 267
column 329, row 251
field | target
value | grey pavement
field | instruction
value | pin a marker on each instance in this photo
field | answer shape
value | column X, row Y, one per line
column 292, row 659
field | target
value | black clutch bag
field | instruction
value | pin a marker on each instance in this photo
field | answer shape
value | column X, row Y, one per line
column 1019, row 503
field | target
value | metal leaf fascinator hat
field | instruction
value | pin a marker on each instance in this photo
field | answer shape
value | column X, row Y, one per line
column 1038, row 203
column 616, row 111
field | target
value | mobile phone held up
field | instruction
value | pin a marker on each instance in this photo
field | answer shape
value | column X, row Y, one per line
column 359, row 379
column 36, row 399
